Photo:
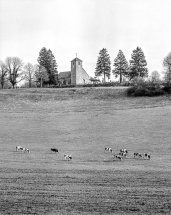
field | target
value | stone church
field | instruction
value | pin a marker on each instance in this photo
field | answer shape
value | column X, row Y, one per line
column 76, row 76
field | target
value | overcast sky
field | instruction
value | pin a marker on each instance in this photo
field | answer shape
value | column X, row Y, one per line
column 85, row 27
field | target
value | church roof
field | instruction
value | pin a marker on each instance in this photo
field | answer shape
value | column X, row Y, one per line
column 76, row 59
column 64, row 75
column 85, row 71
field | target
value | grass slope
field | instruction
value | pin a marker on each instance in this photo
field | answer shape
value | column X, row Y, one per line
column 82, row 122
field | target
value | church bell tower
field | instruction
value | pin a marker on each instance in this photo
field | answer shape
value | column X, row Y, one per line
column 76, row 71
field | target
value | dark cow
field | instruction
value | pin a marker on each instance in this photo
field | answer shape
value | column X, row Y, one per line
column 54, row 150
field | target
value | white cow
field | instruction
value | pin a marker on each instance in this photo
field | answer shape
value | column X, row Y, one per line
column 123, row 154
column 124, row 150
column 68, row 157
column 108, row 149
column 26, row 150
column 19, row 148
column 146, row 155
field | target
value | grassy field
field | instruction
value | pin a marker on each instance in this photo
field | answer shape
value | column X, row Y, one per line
column 82, row 122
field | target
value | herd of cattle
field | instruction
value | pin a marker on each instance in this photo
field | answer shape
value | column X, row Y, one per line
column 23, row 149
column 122, row 153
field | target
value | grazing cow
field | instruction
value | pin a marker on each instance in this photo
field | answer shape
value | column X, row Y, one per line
column 137, row 155
column 68, row 157
column 54, row 150
column 146, row 155
column 26, row 150
column 140, row 155
column 118, row 157
column 124, row 150
column 19, row 148
column 108, row 150
column 123, row 154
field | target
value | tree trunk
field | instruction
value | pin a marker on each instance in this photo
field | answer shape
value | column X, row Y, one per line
column 104, row 80
column 120, row 76
column 29, row 84
column 41, row 82
column 2, row 84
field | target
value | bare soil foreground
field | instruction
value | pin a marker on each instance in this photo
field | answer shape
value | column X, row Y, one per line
column 82, row 122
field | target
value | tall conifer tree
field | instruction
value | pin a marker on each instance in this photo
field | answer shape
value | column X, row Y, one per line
column 138, row 64
column 103, row 64
column 47, row 59
column 120, row 66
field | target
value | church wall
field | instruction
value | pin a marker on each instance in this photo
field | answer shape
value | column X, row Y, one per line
column 73, row 72
column 79, row 79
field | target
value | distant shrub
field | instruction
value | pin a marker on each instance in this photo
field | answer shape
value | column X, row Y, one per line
column 167, row 88
column 145, row 88
column 105, row 84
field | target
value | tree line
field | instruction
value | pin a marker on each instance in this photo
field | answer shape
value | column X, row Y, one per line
column 136, row 68
column 13, row 70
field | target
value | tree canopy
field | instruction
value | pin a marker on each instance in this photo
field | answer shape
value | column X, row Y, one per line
column 103, row 66
column 41, row 75
column 29, row 73
column 167, row 67
column 3, row 73
column 138, row 64
column 14, row 66
column 120, row 66
column 47, row 60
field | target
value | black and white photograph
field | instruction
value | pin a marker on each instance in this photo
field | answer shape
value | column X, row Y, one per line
column 85, row 107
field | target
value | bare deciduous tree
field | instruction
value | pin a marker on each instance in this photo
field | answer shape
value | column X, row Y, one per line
column 3, row 73
column 29, row 73
column 14, row 67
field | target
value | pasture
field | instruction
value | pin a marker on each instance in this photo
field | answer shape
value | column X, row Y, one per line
column 82, row 122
